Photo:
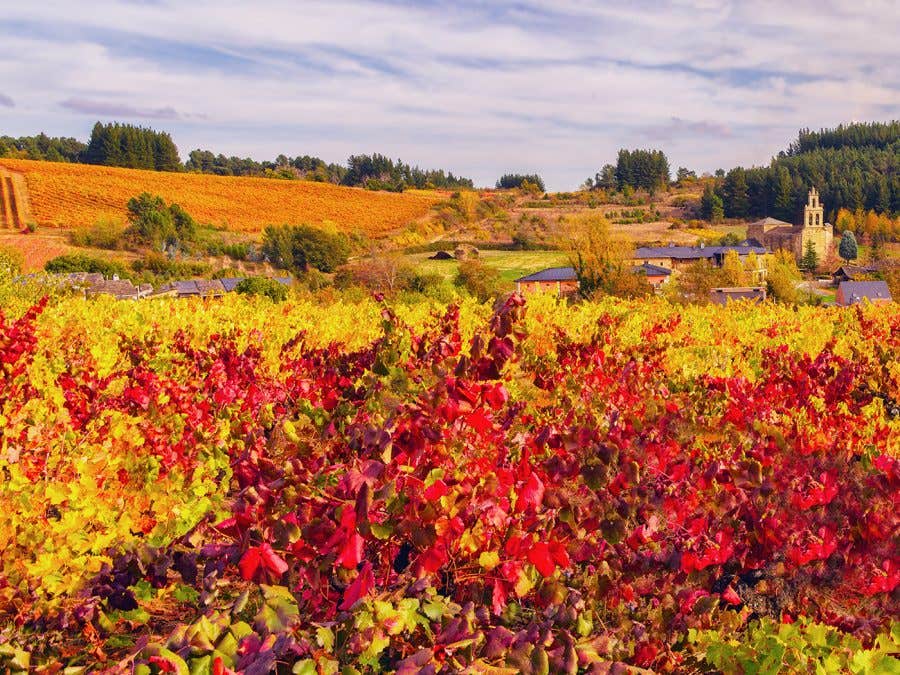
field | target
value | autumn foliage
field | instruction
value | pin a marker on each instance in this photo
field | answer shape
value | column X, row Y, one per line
column 76, row 195
column 534, row 489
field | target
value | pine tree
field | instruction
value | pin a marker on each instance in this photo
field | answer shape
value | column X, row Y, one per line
column 810, row 260
column 734, row 194
column 711, row 205
column 848, row 249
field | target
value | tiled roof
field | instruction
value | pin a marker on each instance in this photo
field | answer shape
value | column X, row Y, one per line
column 230, row 284
column 652, row 270
column 769, row 221
column 551, row 274
column 856, row 291
column 693, row 252
column 122, row 289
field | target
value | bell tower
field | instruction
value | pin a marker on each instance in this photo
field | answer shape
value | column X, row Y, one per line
column 813, row 213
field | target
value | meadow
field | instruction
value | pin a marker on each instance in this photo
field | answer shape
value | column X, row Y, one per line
column 509, row 264
column 353, row 487
column 76, row 195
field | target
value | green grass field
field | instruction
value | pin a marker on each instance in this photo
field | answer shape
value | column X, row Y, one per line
column 510, row 264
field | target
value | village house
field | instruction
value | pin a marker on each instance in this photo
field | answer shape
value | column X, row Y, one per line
column 656, row 275
column 559, row 280
column 776, row 234
column 855, row 292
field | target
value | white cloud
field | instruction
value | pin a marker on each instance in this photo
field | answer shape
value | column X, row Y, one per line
column 478, row 88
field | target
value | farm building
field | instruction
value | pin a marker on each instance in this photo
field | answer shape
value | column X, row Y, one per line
column 855, row 292
column 722, row 296
column 560, row 280
column 656, row 275
column 853, row 273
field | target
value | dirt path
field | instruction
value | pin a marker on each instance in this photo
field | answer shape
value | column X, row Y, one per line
column 14, row 195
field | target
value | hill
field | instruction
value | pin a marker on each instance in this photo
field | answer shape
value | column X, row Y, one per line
column 854, row 166
column 76, row 195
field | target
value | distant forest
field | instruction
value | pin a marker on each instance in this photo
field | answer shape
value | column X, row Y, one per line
column 129, row 146
column 854, row 167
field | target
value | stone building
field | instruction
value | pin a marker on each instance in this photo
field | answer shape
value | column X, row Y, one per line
column 776, row 234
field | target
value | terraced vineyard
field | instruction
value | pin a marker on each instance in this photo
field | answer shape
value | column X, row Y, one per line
column 75, row 195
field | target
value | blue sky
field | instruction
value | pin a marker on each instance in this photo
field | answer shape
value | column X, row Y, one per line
column 477, row 87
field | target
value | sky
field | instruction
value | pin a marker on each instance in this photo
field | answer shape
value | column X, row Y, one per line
column 480, row 88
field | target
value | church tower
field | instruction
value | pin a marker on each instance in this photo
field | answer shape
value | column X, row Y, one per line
column 814, row 228
column 813, row 213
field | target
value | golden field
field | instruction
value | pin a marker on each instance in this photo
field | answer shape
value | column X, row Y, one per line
column 75, row 195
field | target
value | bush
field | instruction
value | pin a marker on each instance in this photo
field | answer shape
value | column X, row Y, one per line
column 275, row 291
column 227, row 273
column 79, row 262
column 107, row 233
column 299, row 247
column 157, row 266
column 478, row 279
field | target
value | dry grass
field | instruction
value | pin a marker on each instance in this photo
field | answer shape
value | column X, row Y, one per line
column 76, row 195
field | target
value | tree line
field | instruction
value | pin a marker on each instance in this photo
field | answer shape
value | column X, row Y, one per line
column 854, row 167
column 135, row 147
column 42, row 148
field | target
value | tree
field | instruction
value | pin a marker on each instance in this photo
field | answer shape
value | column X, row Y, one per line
column 711, row 207
column 298, row 247
column 848, row 249
column 684, row 175
column 478, row 279
column 598, row 255
column 734, row 194
column 697, row 280
column 782, row 276
column 752, row 268
column 810, row 260
column 157, row 225
column 606, row 178
column 733, row 269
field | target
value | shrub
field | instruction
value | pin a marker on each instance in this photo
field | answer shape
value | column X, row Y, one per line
column 227, row 273
column 298, row 247
column 79, row 262
column 161, row 268
column 478, row 279
column 107, row 233
column 275, row 291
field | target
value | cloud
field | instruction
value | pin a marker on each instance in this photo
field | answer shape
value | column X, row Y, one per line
column 108, row 109
column 6, row 101
column 473, row 87
column 678, row 127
